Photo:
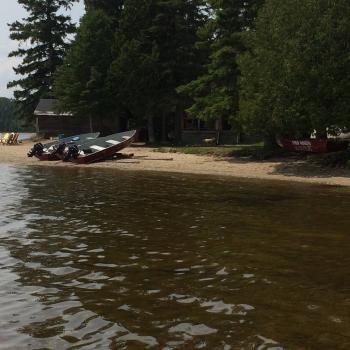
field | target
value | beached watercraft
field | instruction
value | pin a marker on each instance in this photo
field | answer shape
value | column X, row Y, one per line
column 99, row 149
column 314, row 145
column 51, row 150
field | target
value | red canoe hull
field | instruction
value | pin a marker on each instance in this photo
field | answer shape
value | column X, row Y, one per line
column 104, row 154
column 47, row 157
column 314, row 145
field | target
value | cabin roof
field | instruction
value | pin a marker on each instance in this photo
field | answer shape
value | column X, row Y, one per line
column 46, row 107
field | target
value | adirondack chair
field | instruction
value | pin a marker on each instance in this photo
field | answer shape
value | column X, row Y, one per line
column 5, row 138
column 14, row 140
column 10, row 139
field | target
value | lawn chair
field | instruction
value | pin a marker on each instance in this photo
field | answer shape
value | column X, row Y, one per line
column 5, row 138
column 10, row 139
column 14, row 140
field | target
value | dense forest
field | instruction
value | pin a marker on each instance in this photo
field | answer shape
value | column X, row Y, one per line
column 268, row 67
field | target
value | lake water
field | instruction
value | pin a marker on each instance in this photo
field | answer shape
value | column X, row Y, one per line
column 26, row 136
column 94, row 259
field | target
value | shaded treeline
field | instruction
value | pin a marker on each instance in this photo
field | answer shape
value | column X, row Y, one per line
column 153, row 59
column 9, row 116
column 295, row 73
column 270, row 67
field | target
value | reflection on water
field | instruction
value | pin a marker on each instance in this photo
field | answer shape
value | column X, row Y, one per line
column 93, row 259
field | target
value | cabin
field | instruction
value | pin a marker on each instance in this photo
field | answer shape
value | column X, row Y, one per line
column 195, row 132
column 187, row 130
column 52, row 123
column 49, row 122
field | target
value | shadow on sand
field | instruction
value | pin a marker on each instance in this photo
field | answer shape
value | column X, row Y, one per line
column 307, row 169
column 294, row 166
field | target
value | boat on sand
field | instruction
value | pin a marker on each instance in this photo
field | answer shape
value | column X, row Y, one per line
column 99, row 149
column 314, row 145
column 51, row 150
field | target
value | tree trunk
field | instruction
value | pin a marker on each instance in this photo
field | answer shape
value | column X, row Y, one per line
column 150, row 126
column 164, row 128
column 218, row 127
column 177, row 124
column 270, row 142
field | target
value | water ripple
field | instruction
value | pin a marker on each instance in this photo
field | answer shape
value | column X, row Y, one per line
column 92, row 259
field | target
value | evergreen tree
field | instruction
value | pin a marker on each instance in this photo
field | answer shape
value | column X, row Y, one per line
column 215, row 93
column 111, row 7
column 155, row 54
column 9, row 118
column 45, row 30
column 80, row 83
column 295, row 74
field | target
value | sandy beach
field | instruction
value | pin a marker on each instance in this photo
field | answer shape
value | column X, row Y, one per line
column 145, row 159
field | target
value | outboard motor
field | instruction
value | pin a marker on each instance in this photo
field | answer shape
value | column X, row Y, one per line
column 38, row 149
column 59, row 149
column 73, row 152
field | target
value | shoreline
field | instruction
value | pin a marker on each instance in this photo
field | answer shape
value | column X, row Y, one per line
column 145, row 159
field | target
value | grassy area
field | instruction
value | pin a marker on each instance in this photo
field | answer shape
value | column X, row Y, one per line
column 253, row 150
column 258, row 152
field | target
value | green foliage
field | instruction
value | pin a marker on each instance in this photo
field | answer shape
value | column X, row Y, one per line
column 134, row 74
column 294, row 77
column 9, row 117
column 215, row 93
column 111, row 7
column 154, row 54
column 45, row 30
column 80, row 83
column 218, row 151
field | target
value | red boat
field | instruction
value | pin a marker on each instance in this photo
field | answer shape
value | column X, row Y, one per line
column 100, row 149
column 314, row 145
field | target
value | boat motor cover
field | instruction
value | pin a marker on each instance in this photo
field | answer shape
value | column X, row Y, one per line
column 38, row 149
column 73, row 152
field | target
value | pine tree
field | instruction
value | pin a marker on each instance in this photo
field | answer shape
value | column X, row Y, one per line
column 80, row 83
column 45, row 30
column 215, row 93
column 111, row 7
column 155, row 54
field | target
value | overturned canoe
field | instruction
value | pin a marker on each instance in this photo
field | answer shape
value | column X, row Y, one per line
column 51, row 150
column 314, row 145
column 99, row 149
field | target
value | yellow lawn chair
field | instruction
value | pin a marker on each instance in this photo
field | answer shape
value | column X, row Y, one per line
column 14, row 140
column 5, row 138
column 9, row 141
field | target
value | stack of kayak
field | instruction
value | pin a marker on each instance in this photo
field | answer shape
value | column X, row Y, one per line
column 83, row 149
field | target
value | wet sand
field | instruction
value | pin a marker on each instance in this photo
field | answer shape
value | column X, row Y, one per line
column 145, row 159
